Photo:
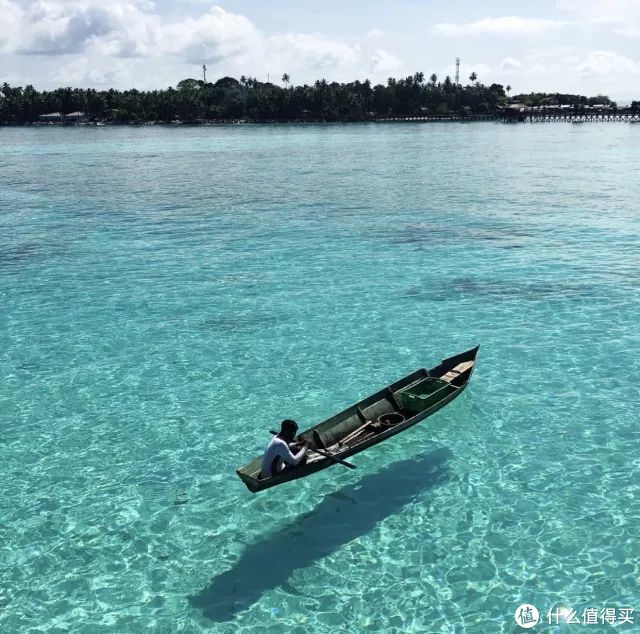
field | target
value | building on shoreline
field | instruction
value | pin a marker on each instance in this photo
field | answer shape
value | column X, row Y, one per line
column 51, row 117
column 57, row 117
column 74, row 117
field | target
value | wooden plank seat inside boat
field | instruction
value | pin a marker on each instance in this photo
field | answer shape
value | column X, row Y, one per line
column 333, row 437
column 459, row 369
column 371, row 428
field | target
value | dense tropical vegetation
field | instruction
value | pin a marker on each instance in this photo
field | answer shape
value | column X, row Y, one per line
column 251, row 100
column 536, row 99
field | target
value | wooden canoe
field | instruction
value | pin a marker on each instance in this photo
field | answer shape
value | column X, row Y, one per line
column 374, row 419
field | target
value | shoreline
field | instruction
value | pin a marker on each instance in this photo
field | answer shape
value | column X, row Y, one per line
column 213, row 122
column 628, row 115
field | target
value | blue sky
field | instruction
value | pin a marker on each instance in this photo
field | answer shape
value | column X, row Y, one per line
column 583, row 46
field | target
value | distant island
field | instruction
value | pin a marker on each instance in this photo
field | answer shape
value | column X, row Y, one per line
column 249, row 100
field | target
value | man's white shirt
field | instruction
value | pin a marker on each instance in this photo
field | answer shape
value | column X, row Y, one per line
column 276, row 455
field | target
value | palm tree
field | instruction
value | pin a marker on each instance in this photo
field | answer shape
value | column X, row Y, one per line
column 418, row 78
column 286, row 78
column 473, row 77
column 508, row 89
column 434, row 79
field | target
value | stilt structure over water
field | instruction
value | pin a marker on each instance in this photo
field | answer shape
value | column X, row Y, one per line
column 570, row 114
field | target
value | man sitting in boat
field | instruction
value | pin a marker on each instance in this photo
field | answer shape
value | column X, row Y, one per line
column 278, row 455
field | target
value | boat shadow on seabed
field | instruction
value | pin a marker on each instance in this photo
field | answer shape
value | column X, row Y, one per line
column 341, row 517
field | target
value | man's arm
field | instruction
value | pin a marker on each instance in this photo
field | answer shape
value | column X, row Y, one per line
column 285, row 453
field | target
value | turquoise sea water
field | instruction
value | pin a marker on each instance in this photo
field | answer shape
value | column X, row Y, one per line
column 169, row 294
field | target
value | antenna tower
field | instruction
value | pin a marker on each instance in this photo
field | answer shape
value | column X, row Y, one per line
column 457, row 71
column 204, row 73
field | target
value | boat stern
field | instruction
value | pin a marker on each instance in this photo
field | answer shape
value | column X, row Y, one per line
column 251, row 483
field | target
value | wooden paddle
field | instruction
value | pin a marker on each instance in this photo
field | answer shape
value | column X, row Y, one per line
column 326, row 454
column 355, row 433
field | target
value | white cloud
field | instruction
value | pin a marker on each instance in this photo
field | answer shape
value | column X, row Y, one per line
column 53, row 31
column 129, row 29
column 552, row 53
column 507, row 25
column 384, row 62
column 562, row 69
column 606, row 63
column 94, row 31
column 622, row 13
column 309, row 50
column 540, row 69
column 632, row 31
column 11, row 16
column 80, row 70
column 509, row 64
column 55, row 27
column 137, row 32
column 211, row 37
column 375, row 33
column 607, row 11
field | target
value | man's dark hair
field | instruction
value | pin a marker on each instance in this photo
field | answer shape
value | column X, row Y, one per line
column 288, row 429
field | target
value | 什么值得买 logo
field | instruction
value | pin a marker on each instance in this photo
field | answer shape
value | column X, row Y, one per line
column 527, row 615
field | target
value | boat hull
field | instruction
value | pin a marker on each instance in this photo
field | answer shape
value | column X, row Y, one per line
column 444, row 378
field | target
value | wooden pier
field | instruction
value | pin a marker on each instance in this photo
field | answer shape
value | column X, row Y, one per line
column 442, row 117
column 570, row 115
column 532, row 115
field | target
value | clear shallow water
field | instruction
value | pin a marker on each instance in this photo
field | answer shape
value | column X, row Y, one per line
column 168, row 295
